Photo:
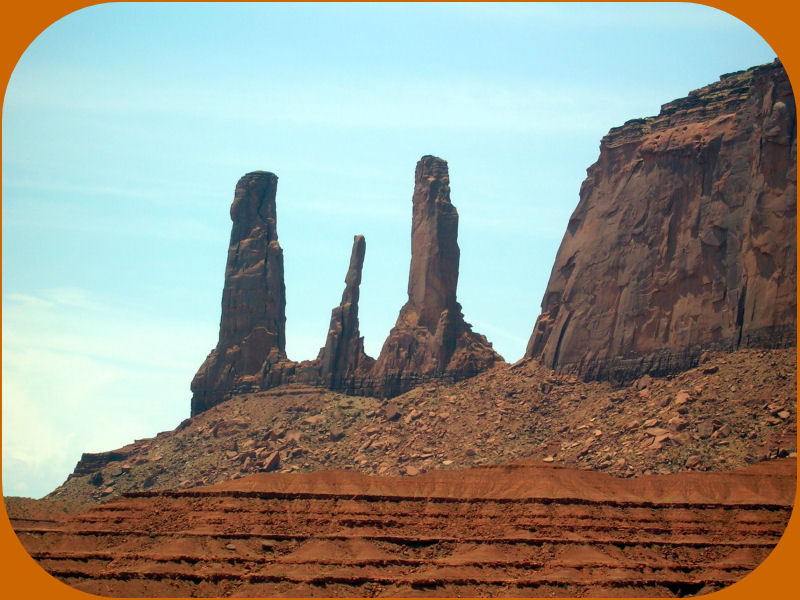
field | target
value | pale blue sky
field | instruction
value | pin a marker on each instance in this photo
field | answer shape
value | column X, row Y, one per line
column 126, row 127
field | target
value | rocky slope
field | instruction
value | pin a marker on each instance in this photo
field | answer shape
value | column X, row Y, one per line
column 732, row 411
column 431, row 340
column 684, row 239
column 517, row 530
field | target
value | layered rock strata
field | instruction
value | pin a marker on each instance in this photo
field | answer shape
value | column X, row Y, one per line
column 507, row 531
column 342, row 362
column 431, row 340
column 252, row 331
column 684, row 239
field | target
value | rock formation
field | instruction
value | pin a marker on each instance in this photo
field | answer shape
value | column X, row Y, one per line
column 431, row 338
column 430, row 341
column 252, row 336
column 684, row 239
column 343, row 360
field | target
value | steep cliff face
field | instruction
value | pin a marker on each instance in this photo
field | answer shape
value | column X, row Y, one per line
column 684, row 239
column 252, row 331
column 431, row 338
column 343, row 360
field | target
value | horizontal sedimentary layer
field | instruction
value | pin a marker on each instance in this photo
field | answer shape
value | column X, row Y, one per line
column 345, row 534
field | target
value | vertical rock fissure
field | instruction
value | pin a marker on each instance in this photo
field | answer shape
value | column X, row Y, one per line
column 740, row 315
column 560, row 339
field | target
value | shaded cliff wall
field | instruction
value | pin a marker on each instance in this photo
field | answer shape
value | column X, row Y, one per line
column 684, row 239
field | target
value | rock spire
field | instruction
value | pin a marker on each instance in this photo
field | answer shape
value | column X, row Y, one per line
column 431, row 340
column 343, row 358
column 252, row 332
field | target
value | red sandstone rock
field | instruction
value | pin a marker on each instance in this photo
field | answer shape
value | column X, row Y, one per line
column 684, row 238
column 431, row 340
column 252, row 328
column 343, row 359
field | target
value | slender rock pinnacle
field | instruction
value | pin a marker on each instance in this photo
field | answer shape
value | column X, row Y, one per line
column 431, row 340
column 343, row 355
column 252, row 333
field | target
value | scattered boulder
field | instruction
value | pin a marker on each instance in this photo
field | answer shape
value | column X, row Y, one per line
column 692, row 462
column 705, row 429
column 391, row 412
column 272, row 462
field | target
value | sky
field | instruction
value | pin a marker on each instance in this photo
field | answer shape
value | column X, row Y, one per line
column 127, row 126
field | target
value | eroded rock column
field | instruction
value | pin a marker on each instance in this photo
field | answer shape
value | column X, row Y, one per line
column 252, row 333
column 343, row 358
column 431, row 340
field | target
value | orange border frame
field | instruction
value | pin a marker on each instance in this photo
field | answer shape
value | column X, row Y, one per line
column 775, row 20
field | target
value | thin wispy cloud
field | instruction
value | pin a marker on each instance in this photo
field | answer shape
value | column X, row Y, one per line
column 73, row 321
column 79, row 217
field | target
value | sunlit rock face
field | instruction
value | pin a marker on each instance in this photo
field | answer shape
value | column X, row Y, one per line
column 684, row 239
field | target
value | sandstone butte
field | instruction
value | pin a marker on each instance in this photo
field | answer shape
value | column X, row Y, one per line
column 430, row 341
column 684, row 238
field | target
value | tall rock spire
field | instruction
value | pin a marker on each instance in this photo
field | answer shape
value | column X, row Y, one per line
column 431, row 340
column 252, row 332
column 433, row 276
column 343, row 356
